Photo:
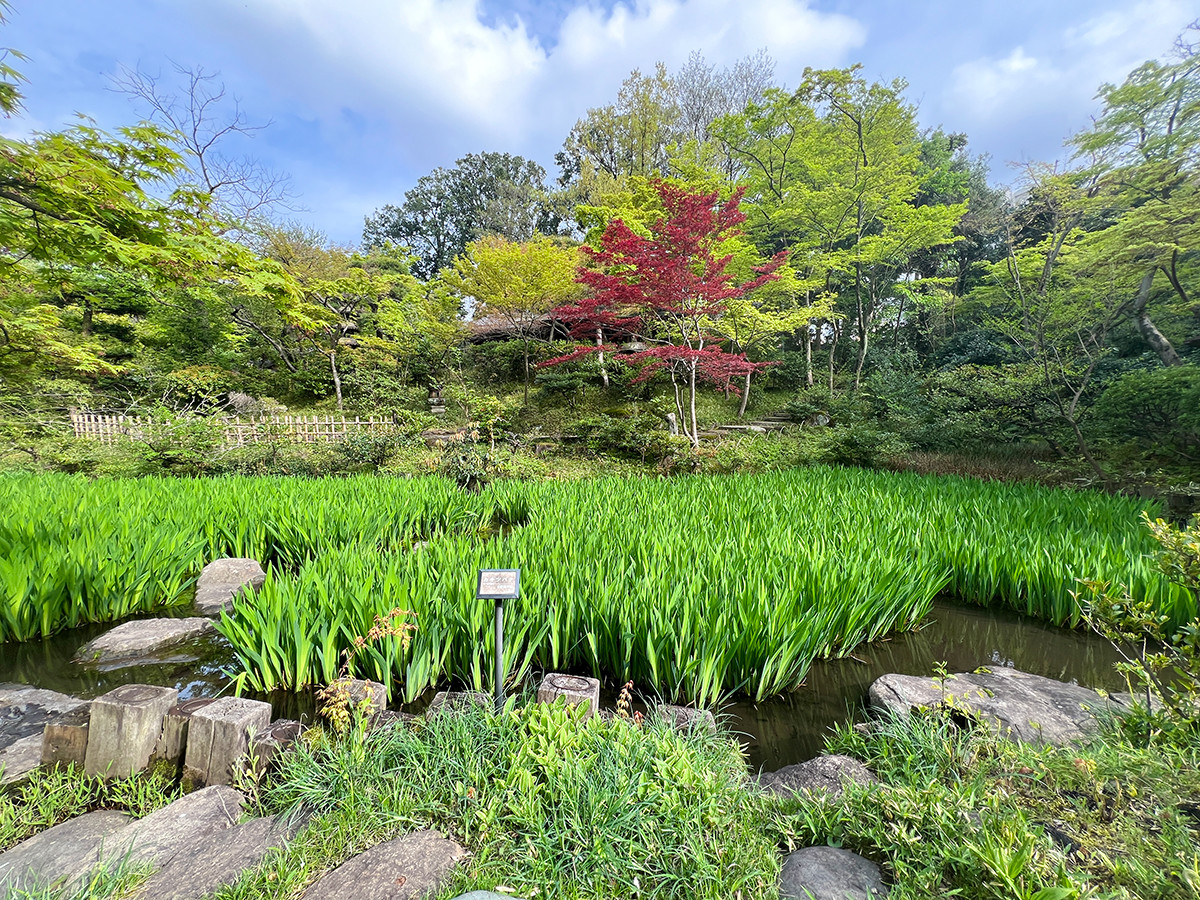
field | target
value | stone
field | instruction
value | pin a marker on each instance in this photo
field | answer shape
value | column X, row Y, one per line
column 137, row 642
column 824, row 775
column 215, row 861
column 65, row 739
column 390, row 718
column 574, row 689
column 19, row 759
column 405, row 867
column 172, row 743
column 826, row 873
column 219, row 737
column 125, row 727
column 265, row 748
column 53, row 855
column 1023, row 707
column 176, row 828
column 685, row 718
column 222, row 580
column 25, row 710
column 448, row 701
column 372, row 694
column 483, row 895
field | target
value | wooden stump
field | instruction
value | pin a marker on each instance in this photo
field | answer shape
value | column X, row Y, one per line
column 172, row 744
column 65, row 740
column 219, row 737
column 124, row 730
column 574, row 689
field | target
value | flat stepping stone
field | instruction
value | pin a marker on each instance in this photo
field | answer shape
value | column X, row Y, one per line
column 826, row 775
column 139, row 642
column 52, row 856
column 215, row 861
column 222, row 580
column 403, row 868
column 174, row 829
column 827, row 873
column 1025, row 708
column 24, row 714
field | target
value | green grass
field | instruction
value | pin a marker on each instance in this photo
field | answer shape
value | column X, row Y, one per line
column 51, row 796
column 694, row 587
column 544, row 801
column 965, row 814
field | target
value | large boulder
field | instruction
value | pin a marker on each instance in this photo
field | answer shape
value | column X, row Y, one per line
column 222, row 579
column 141, row 641
column 1024, row 707
column 826, row 873
column 824, row 775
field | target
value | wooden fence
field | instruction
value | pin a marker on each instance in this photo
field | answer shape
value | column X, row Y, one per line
column 109, row 429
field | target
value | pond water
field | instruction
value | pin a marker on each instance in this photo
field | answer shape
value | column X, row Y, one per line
column 776, row 733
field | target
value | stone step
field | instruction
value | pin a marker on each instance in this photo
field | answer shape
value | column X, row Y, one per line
column 828, row 873
column 222, row 579
column 400, row 869
column 142, row 642
column 56, row 854
column 24, row 713
column 215, row 861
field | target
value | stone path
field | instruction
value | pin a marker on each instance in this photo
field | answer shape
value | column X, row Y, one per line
column 400, row 869
column 222, row 579
column 59, row 852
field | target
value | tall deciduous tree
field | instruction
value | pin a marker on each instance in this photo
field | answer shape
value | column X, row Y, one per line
column 669, row 289
column 484, row 194
column 520, row 283
column 834, row 172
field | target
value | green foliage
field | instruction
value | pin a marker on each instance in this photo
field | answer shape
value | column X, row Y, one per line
column 1156, row 410
column 51, row 796
column 546, row 800
column 964, row 813
column 859, row 444
column 467, row 464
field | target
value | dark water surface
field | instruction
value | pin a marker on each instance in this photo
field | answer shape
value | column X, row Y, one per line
column 776, row 732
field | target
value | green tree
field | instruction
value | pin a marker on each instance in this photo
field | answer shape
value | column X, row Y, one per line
column 484, row 194
column 520, row 283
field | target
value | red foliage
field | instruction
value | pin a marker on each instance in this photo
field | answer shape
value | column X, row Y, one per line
column 662, row 288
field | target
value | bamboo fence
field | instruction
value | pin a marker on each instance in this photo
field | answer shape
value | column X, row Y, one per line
column 109, row 429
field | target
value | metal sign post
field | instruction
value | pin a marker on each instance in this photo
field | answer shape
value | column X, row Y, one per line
column 499, row 585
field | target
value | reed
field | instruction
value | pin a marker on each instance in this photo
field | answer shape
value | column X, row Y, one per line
column 696, row 587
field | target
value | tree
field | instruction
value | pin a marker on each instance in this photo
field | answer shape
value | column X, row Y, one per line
column 203, row 121
column 521, row 283
column 484, row 194
column 669, row 289
column 834, row 172
column 1143, row 171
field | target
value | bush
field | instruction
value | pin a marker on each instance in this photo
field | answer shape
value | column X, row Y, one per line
column 1155, row 410
column 860, row 445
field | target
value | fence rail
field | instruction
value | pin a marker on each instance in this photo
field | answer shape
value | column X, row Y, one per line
column 109, row 429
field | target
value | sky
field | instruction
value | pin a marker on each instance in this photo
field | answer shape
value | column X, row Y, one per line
column 365, row 96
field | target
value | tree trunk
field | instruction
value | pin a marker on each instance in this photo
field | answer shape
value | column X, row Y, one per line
column 86, row 327
column 692, row 404
column 525, row 351
column 862, row 340
column 1156, row 340
column 745, row 395
column 600, row 358
column 808, row 368
column 337, row 378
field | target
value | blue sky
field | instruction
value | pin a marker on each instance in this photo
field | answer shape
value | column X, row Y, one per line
column 365, row 96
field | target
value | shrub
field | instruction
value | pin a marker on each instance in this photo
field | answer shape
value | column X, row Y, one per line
column 856, row 445
column 1156, row 410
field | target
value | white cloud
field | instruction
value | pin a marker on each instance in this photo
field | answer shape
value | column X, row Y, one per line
column 1044, row 88
column 434, row 73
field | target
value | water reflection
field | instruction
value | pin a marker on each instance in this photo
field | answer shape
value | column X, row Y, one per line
column 776, row 733
column 791, row 729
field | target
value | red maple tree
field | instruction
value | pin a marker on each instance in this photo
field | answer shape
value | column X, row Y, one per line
column 665, row 291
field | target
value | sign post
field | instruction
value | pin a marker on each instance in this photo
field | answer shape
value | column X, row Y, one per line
column 499, row 585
